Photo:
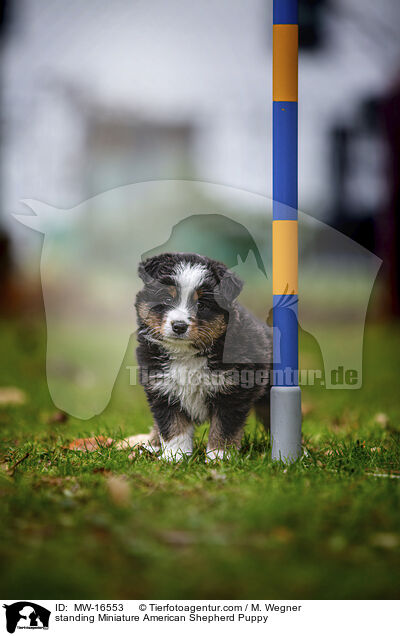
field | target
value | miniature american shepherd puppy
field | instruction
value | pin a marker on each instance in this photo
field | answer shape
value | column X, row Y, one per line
column 202, row 356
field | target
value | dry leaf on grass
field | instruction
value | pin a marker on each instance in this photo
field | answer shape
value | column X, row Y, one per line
column 137, row 443
column 133, row 441
column 90, row 444
column 12, row 395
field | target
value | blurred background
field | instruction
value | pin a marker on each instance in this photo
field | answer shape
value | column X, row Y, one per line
column 100, row 99
column 98, row 95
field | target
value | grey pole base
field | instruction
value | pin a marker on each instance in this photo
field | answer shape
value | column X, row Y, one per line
column 286, row 423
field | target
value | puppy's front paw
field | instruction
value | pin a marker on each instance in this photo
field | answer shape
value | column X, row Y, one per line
column 215, row 455
column 169, row 455
column 178, row 447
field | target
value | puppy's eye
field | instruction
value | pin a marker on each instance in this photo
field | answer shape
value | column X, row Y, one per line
column 164, row 302
column 201, row 305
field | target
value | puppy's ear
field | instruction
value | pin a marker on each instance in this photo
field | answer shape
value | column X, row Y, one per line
column 229, row 286
column 149, row 269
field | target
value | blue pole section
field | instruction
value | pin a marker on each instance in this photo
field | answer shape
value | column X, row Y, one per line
column 285, row 394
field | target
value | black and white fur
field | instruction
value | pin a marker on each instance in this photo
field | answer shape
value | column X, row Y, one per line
column 184, row 310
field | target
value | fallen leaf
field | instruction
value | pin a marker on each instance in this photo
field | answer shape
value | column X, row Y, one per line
column 119, row 489
column 90, row 444
column 12, row 395
column 133, row 441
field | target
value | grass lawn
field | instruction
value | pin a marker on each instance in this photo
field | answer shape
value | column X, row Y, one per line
column 97, row 525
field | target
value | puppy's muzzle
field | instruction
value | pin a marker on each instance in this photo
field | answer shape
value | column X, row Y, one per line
column 179, row 327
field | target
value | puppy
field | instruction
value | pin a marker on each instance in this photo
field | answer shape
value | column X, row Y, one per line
column 188, row 319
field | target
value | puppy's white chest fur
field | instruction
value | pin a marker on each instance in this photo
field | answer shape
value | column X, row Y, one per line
column 189, row 380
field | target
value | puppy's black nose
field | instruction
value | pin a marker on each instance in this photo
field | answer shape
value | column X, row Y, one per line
column 179, row 327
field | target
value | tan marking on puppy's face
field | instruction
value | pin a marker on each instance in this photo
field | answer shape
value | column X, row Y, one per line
column 150, row 317
column 217, row 326
column 172, row 291
column 205, row 332
column 143, row 309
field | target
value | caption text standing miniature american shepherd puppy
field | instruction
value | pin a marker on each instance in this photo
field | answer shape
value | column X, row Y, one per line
column 197, row 347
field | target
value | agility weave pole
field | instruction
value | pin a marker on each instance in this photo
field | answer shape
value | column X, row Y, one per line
column 285, row 394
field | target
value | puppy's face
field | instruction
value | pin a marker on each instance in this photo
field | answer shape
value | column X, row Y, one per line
column 186, row 300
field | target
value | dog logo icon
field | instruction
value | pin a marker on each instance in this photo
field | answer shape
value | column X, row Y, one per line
column 26, row 615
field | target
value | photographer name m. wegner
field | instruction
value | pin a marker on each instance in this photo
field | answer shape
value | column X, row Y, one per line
column 254, row 613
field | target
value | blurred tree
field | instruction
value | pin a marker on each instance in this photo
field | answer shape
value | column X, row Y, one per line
column 311, row 24
column 357, row 174
column 390, row 227
column 5, row 246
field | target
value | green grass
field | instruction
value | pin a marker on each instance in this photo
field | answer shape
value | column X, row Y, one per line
column 325, row 527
